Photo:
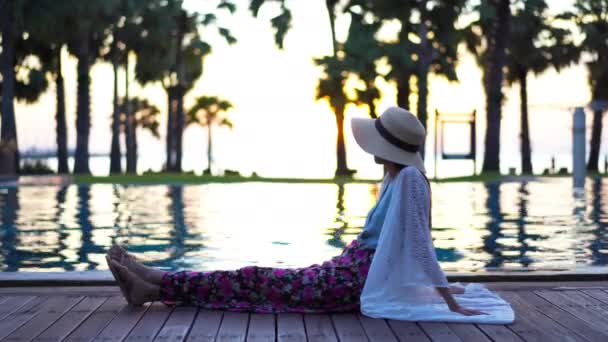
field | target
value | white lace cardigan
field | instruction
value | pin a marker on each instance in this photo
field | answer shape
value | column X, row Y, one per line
column 404, row 274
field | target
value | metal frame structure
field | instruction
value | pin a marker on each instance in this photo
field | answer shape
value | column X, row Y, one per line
column 470, row 119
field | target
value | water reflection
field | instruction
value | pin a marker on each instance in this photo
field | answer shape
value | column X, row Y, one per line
column 599, row 243
column 477, row 227
column 493, row 227
column 336, row 232
column 8, row 234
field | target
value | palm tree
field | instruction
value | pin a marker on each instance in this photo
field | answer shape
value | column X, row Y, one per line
column 534, row 46
column 280, row 23
column 437, row 48
column 17, row 47
column 209, row 111
column 362, row 51
column 137, row 113
column 331, row 88
column 487, row 38
column 47, row 27
column 400, row 53
column 89, row 22
column 178, row 66
column 331, row 85
column 427, row 43
column 591, row 17
column 129, row 34
column 8, row 138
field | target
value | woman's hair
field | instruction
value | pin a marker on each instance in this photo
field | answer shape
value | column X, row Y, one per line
column 399, row 166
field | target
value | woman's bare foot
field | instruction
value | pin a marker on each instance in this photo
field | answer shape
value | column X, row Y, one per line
column 135, row 290
column 115, row 275
column 149, row 274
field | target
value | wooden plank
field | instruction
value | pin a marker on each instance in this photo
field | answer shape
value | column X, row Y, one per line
column 582, row 299
column 233, row 327
column 597, row 294
column 20, row 316
column 290, row 328
column 531, row 325
column 438, row 331
column 12, row 304
column 206, row 326
column 177, row 326
column 570, row 303
column 61, row 290
column 377, row 329
column 150, row 324
column 348, row 327
column 589, row 301
column 407, row 331
column 122, row 324
column 49, row 312
column 499, row 333
column 261, row 328
column 563, row 317
column 468, row 332
column 90, row 328
column 72, row 319
column 319, row 328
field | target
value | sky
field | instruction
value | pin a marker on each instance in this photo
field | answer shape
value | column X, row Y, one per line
column 280, row 130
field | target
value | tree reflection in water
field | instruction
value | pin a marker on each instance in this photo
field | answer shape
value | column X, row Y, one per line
column 493, row 229
column 8, row 229
column 336, row 232
column 599, row 243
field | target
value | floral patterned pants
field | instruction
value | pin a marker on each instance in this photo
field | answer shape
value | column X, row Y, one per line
column 332, row 286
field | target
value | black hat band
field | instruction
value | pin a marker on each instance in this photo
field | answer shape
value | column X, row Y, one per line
column 393, row 139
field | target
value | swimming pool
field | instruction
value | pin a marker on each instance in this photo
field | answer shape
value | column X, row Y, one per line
column 510, row 226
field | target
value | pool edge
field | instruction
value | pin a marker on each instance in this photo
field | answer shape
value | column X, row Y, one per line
column 104, row 278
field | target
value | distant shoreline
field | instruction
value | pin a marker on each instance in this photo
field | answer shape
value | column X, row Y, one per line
column 189, row 178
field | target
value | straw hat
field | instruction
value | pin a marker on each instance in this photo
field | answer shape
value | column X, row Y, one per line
column 394, row 136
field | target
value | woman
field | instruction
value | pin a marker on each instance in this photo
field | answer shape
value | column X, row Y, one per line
column 337, row 284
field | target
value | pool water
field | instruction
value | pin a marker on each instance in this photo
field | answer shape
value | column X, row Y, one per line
column 511, row 226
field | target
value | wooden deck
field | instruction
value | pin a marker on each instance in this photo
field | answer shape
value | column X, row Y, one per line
column 544, row 312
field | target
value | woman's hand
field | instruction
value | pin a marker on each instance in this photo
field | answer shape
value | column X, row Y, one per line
column 466, row 311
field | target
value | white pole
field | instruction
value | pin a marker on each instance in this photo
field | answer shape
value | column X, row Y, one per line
column 578, row 148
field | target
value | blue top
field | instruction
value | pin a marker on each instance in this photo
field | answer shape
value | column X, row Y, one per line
column 368, row 238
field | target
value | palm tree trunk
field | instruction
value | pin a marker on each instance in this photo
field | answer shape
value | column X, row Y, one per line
column 341, row 169
column 493, row 77
column 403, row 92
column 179, row 128
column 135, row 153
column 596, row 140
column 9, row 148
column 83, row 110
column 403, row 82
column 130, row 126
column 170, row 130
column 526, row 150
column 424, row 64
column 423, row 94
column 115, row 155
column 179, row 110
column 330, row 4
column 209, row 147
column 370, row 103
column 62, row 130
